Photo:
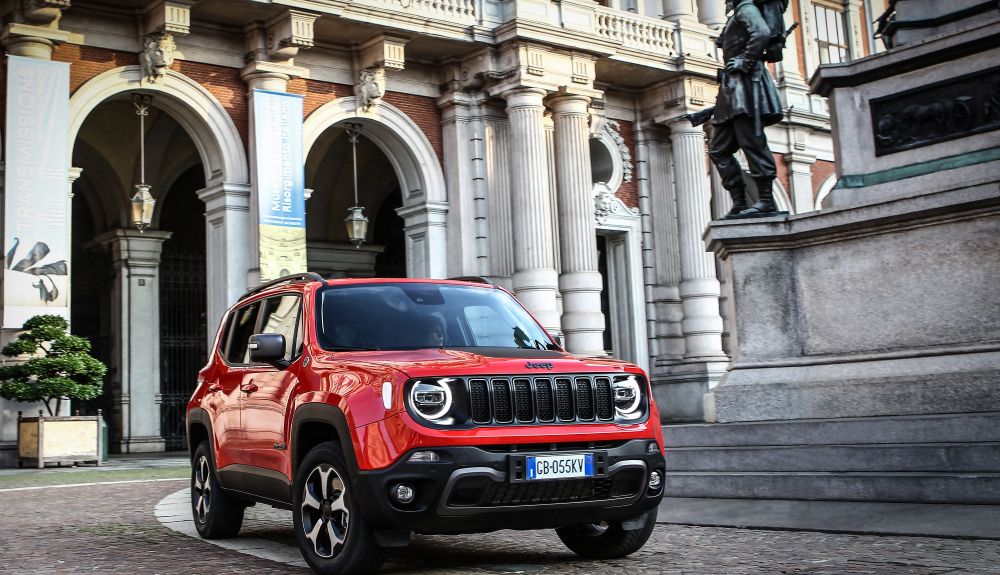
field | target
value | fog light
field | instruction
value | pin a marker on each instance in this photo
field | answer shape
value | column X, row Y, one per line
column 655, row 480
column 424, row 457
column 403, row 493
column 652, row 447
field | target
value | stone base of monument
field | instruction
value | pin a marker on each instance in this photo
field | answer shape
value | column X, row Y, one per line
column 865, row 337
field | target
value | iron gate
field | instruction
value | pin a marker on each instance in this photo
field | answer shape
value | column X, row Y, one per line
column 182, row 338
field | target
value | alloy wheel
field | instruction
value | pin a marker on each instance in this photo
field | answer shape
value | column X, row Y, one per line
column 202, row 488
column 324, row 513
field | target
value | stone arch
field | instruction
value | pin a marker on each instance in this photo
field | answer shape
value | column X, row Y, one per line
column 824, row 191
column 417, row 167
column 781, row 198
column 201, row 114
column 220, row 148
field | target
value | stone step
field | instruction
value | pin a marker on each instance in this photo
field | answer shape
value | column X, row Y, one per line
column 910, row 487
column 927, row 457
column 964, row 428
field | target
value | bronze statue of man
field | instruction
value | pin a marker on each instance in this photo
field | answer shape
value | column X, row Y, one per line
column 747, row 102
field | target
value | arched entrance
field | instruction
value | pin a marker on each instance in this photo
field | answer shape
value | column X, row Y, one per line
column 142, row 296
column 398, row 172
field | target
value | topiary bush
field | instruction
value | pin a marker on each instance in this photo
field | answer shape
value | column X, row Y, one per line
column 61, row 366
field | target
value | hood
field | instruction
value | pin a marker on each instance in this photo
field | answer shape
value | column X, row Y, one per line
column 444, row 362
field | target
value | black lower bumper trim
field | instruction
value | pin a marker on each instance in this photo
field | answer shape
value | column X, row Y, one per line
column 473, row 489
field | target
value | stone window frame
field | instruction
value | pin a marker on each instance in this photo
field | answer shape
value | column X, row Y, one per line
column 852, row 33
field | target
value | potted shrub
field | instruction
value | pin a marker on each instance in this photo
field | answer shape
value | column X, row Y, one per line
column 59, row 368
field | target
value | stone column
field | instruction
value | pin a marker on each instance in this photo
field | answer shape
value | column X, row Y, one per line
column 699, row 288
column 457, row 143
column 712, row 13
column 535, row 279
column 136, row 358
column 425, row 225
column 229, row 247
column 675, row 9
column 800, row 178
column 580, row 282
column 666, row 293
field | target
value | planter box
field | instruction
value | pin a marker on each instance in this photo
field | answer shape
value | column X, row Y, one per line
column 42, row 440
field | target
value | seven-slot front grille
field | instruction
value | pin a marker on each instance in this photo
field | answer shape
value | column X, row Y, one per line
column 505, row 400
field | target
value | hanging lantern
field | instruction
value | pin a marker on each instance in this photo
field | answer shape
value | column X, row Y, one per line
column 357, row 223
column 142, row 207
column 142, row 200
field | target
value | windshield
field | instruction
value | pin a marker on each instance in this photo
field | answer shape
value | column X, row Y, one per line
column 423, row 315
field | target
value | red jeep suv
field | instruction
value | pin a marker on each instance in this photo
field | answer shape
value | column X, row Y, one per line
column 373, row 408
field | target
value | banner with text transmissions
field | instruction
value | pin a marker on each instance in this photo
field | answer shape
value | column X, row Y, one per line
column 280, row 175
column 36, row 191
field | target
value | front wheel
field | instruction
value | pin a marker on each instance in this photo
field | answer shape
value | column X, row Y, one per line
column 329, row 528
column 216, row 514
column 607, row 540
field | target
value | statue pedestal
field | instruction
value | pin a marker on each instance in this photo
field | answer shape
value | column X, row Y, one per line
column 865, row 337
column 883, row 309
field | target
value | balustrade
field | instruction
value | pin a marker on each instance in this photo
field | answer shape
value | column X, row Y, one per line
column 633, row 31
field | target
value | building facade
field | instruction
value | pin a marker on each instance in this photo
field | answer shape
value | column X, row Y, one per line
column 541, row 144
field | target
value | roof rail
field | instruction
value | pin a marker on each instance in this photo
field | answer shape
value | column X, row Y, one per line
column 290, row 279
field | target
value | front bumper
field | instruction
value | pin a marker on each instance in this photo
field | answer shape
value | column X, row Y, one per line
column 482, row 489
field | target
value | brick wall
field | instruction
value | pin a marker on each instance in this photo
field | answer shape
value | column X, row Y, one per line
column 424, row 113
column 87, row 62
column 315, row 93
column 821, row 170
column 629, row 191
column 783, row 176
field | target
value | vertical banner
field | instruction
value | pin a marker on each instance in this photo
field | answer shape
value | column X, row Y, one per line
column 280, row 181
column 36, row 191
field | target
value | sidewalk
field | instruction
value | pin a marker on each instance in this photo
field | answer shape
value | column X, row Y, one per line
column 129, row 467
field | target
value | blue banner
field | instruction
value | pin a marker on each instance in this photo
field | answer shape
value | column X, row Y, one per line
column 280, row 166
column 36, row 190
column 280, row 177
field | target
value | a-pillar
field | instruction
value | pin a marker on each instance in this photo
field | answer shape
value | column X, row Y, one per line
column 580, row 281
column 704, row 361
column 135, row 362
column 535, row 279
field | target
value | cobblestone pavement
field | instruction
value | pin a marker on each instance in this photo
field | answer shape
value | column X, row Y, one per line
column 111, row 529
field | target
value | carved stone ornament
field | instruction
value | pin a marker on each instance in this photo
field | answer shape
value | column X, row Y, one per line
column 612, row 128
column 43, row 11
column 604, row 203
column 157, row 55
column 371, row 87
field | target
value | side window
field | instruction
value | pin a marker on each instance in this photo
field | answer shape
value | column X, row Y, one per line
column 488, row 328
column 281, row 315
column 244, row 321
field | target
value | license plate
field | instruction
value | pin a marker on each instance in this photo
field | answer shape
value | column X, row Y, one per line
column 559, row 466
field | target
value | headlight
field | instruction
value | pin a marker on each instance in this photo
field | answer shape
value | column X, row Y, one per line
column 431, row 398
column 628, row 397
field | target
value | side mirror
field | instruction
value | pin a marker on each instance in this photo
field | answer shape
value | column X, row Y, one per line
column 267, row 348
column 558, row 340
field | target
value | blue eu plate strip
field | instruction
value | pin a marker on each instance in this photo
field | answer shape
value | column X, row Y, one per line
column 529, row 462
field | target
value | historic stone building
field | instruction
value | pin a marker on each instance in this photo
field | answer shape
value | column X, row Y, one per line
column 539, row 143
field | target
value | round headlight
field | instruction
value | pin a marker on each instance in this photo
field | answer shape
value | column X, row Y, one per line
column 628, row 396
column 431, row 399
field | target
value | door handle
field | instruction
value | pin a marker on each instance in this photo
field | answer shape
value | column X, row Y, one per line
column 214, row 387
column 249, row 388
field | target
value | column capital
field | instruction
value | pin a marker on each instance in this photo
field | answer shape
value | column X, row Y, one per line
column 524, row 96
column 134, row 248
column 569, row 103
column 682, row 126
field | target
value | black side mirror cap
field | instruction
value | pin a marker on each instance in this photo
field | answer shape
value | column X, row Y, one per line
column 267, row 348
column 558, row 340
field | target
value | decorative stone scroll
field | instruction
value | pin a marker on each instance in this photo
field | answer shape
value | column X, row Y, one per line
column 614, row 129
column 951, row 109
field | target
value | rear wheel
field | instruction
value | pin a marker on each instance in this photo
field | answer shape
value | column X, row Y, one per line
column 216, row 514
column 329, row 528
column 607, row 540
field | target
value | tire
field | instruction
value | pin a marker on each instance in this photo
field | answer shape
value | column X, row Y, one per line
column 216, row 514
column 606, row 540
column 332, row 535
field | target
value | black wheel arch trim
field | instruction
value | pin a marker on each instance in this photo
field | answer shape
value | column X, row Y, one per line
column 200, row 416
column 323, row 413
